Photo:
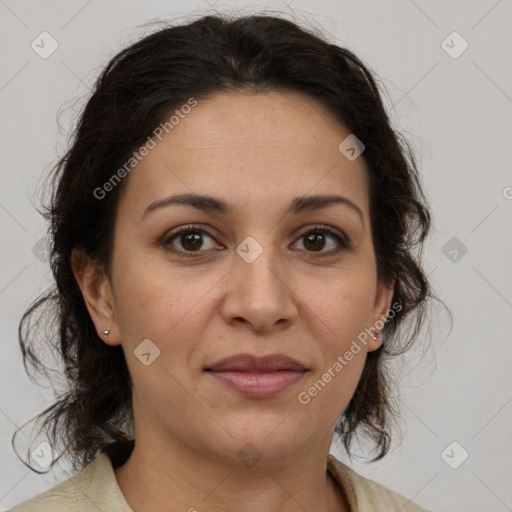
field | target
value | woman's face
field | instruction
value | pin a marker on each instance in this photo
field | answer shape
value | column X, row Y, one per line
column 253, row 276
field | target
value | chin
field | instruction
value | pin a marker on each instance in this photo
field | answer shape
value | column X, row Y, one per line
column 271, row 439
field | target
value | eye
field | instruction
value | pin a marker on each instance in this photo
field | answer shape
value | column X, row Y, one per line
column 189, row 239
column 317, row 238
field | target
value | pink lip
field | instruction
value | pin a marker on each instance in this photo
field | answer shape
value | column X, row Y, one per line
column 258, row 377
column 259, row 385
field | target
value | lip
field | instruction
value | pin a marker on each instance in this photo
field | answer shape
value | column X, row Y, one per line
column 257, row 377
column 250, row 363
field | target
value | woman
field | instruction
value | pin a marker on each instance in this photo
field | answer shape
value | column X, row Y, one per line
column 233, row 231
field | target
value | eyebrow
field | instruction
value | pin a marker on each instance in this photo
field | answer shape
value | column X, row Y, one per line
column 211, row 204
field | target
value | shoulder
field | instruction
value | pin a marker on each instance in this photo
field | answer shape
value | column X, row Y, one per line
column 94, row 488
column 365, row 495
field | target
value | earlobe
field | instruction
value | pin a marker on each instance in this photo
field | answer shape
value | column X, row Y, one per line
column 96, row 291
column 382, row 306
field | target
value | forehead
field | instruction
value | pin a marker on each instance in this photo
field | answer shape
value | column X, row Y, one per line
column 250, row 147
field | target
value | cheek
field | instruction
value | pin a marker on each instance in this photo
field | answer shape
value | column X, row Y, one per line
column 343, row 306
column 153, row 300
column 326, row 395
column 172, row 308
column 342, row 310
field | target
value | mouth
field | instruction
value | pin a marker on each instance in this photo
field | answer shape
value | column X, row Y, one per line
column 257, row 377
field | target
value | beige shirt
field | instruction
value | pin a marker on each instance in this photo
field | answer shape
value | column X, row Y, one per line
column 95, row 489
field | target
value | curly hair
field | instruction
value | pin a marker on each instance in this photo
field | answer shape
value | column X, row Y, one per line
column 132, row 96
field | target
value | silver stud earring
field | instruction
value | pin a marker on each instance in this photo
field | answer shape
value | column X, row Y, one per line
column 375, row 337
column 105, row 333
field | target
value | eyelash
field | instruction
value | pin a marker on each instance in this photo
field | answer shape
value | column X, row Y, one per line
column 342, row 240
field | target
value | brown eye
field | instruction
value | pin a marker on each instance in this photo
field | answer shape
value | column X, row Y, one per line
column 314, row 241
column 189, row 240
column 317, row 239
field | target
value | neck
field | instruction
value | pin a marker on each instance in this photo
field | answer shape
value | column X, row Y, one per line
column 166, row 475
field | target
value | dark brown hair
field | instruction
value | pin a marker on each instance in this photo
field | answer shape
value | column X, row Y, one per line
column 134, row 94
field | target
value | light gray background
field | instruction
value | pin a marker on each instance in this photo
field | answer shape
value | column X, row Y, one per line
column 456, row 111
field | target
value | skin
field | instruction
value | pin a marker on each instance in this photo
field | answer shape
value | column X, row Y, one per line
column 258, row 153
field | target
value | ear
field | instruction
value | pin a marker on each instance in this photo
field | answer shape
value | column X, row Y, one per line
column 381, row 310
column 97, row 293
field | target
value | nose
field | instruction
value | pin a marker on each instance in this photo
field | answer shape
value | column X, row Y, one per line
column 260, row 294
